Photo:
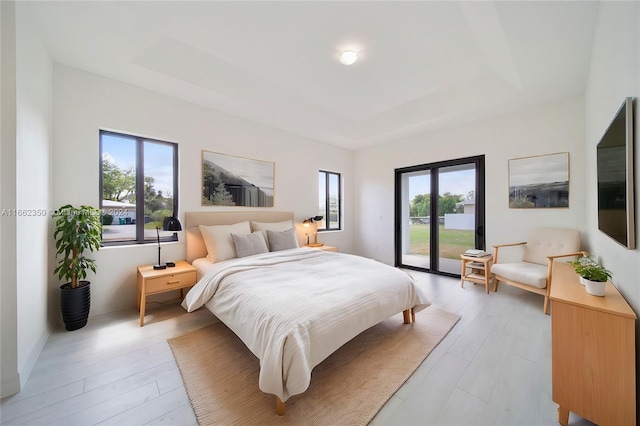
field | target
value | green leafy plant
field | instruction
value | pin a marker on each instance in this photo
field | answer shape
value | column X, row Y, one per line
column 588, row 268
column 107, row 219
column 77, row 230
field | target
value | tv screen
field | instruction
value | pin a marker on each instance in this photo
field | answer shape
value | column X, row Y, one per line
column 615, row 178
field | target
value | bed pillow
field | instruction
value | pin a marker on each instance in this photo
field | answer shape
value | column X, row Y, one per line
column 217, row 239
column 285, row 225
column 282, row 240
column 274, row 226
column 248, row 245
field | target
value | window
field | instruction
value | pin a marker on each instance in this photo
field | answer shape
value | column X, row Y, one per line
column 139, row 187
column 330, row 194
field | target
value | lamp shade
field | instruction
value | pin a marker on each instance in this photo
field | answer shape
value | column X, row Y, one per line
column 171, row 224
column 313, row 219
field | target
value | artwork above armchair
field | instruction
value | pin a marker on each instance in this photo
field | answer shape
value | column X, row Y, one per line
column 539, row 182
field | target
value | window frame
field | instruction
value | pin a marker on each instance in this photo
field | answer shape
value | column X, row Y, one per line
column 326, row 223
column 434, row 250
column 139, row 161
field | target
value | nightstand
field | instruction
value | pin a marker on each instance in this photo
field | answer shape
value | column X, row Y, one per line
column 324, row 247
column 152, row 281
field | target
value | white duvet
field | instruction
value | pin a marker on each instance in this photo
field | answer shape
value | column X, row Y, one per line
column 293, row 308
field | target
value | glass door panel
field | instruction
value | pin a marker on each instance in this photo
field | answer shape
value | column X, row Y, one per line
column 417, row 210
column 456, row 215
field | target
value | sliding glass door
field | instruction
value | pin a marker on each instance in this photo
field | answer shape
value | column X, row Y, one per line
column 439, row 214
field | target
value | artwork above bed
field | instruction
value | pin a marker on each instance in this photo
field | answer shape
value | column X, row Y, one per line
column 235, row 181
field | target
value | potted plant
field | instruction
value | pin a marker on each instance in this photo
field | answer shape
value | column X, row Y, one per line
column 77, row 230
column 593, row 276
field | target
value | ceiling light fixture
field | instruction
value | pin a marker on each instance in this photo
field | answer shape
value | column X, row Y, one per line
column 348, row 57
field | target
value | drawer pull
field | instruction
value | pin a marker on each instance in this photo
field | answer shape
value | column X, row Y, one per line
column 173, row 282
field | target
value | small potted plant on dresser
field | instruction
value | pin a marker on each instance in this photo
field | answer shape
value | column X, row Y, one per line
column 592, row 275
column 77, row 230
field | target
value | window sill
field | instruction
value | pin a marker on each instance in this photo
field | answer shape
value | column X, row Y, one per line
column 111, row 245
column 330, row 231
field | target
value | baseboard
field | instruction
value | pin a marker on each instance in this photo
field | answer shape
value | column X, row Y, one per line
column 10, row 385
column 30, row 362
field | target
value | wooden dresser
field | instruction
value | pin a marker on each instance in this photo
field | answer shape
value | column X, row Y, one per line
column 593, row 352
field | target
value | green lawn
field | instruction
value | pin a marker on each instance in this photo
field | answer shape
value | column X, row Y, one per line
column 452, row 241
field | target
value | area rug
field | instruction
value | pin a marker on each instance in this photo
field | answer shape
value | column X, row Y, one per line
column 349, row 387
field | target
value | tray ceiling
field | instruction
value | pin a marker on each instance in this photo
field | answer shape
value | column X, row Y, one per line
column 422, row 65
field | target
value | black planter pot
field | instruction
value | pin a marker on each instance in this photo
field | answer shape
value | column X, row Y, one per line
column 75, row 304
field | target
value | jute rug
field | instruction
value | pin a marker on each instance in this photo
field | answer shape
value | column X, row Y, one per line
column 348, row 388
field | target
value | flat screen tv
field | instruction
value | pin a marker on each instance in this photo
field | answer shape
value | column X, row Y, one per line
column 615, row 178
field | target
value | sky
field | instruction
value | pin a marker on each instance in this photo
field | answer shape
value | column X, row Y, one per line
column 458, row 182
column 158, row 159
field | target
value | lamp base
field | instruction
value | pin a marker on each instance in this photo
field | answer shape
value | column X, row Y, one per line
column 315, row 245
column 156, row 267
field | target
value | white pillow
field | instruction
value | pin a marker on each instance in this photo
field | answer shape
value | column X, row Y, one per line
column 217, row 239
column 285, row 225
column 248, row 245
column 282, row 240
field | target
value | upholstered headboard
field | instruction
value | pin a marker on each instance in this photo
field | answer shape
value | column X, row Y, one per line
column 195, row 243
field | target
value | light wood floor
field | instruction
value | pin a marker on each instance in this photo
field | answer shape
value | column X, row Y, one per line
column 494, row 368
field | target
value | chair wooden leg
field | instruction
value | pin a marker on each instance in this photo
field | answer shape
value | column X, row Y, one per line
column 495, row 284
column 413, row 315
column 280, row 409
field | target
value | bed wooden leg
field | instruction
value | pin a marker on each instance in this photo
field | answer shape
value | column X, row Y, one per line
column 409, row 316
column 279, row 407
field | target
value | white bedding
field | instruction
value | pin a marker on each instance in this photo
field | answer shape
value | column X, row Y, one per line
column 204, row 265
column 293, row 308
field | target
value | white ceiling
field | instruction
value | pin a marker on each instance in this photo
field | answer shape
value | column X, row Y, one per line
column 422, row 65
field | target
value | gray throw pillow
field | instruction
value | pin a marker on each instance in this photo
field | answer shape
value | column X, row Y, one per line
column 282, row 240
column 248, row 245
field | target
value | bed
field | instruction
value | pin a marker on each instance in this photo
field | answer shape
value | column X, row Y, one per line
column 291, row 306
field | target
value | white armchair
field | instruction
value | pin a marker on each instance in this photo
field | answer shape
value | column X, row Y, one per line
column 533, row 272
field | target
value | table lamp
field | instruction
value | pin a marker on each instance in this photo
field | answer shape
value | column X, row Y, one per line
column 169, row 224
column 307, row 222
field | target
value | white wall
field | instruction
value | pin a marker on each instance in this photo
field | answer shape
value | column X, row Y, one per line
column 9, row 378
column 85, row 103
column 550, row 128
column 613, row 75
column 33, row 201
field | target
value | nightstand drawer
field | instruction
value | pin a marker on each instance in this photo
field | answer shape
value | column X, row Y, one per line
column 170, row 282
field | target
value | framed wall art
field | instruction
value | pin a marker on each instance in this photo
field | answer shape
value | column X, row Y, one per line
column 539, row 182
column 236, row 181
